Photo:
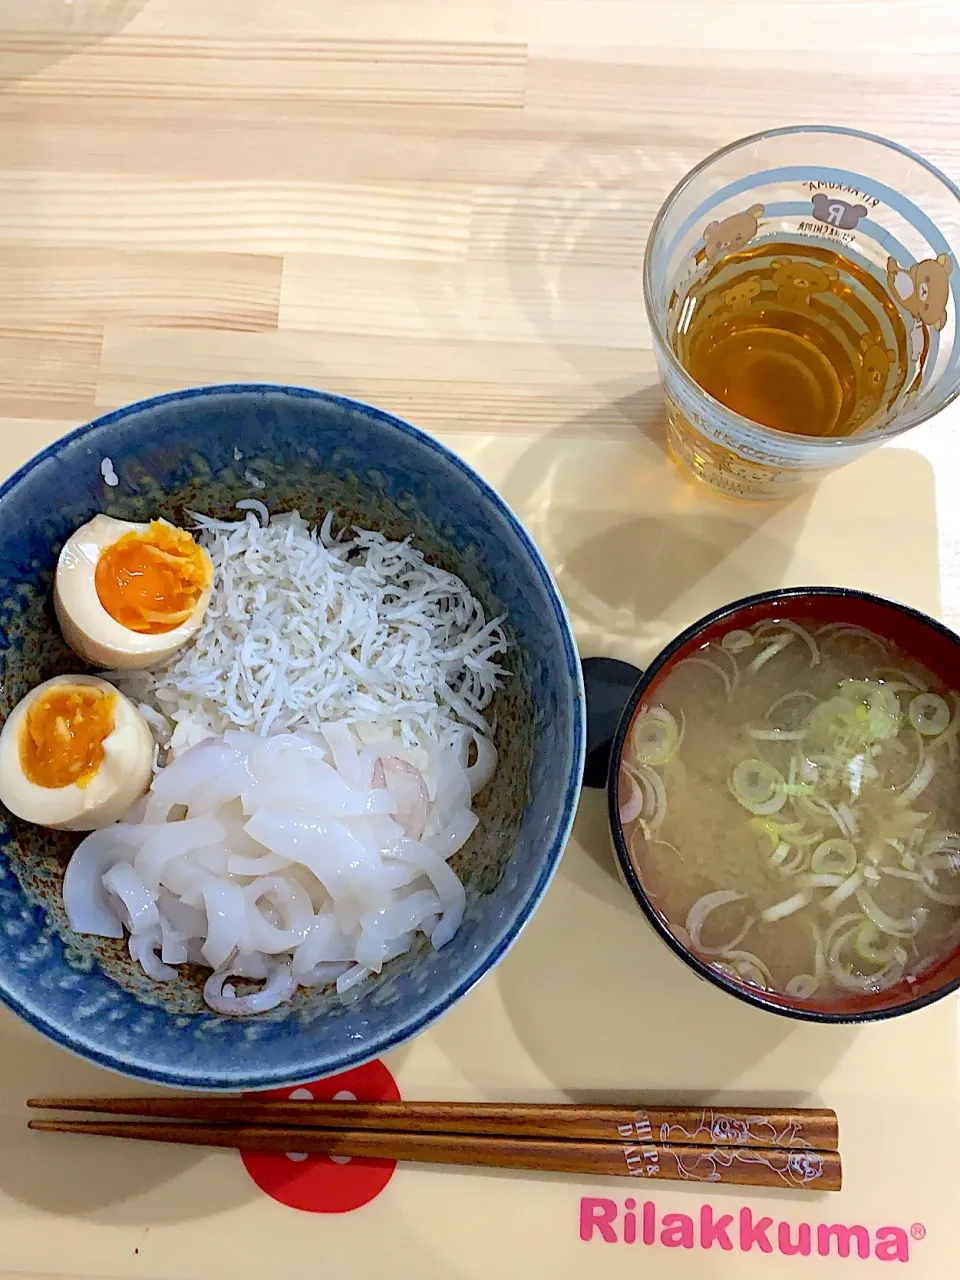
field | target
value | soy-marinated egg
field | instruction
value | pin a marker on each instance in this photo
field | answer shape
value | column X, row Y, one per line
column 130, row 595
column 75, row 754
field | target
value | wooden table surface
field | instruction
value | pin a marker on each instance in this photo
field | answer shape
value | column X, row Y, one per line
column 436, row 205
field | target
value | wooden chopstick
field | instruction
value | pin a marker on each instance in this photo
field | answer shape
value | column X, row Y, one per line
column 677, row 1126
column 798, row 1168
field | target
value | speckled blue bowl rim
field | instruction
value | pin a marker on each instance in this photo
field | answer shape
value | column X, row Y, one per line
column 406, row 1030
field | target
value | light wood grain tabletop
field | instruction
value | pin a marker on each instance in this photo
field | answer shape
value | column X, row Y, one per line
column 439, row 206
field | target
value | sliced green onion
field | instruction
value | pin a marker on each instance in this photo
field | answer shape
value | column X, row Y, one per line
column 771, row 651
column 734, row 665
column 845, row 891
column 779, row 854
column 655, row 739
column 750, row 968
column 802, row 987
column 654, row 808
column 874, row 984
column 737, row 641
column 821, row 880
column 786, row 908
column 838, row 926
column 767, row 827
column 824, row 808
column 864, row 712
column 797, row 630
column 749, row 973
column 946, row 844
column 797, row 836
column 921, row 780
column 908, row 927
column 949, row 736
column 715, row 668
column 937, row 895
column 881, row 716
column 838, row 630
column 795, row 864
column 872, row 944
column 849, row 818
column 758, row 787
column 941, row 855
column 630, row 798
column 834, row 719
column 929, row 714
column 697, row 915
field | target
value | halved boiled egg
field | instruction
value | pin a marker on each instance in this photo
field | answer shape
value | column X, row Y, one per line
column 75, row 754
column 130, row 595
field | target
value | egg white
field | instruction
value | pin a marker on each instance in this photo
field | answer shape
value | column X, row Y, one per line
column 124, row 775
column 87, row 627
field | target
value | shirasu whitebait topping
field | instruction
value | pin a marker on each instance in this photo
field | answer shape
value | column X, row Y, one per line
column 305, row 627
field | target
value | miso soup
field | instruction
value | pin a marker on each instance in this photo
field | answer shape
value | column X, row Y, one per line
column 791, row 799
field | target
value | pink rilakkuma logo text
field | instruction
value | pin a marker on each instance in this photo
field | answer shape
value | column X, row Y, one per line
column 624, row 1222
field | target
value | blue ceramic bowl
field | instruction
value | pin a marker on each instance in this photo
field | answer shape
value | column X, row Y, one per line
column 203, row 450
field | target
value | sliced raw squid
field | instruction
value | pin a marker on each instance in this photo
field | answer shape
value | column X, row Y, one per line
column 297, row 860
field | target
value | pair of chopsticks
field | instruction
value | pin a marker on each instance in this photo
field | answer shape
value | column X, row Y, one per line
column 755, row 1148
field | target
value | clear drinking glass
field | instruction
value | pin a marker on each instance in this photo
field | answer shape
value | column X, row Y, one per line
column 812, row 190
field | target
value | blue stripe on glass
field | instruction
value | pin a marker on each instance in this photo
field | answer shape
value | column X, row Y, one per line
column 815, row 173
column 894, row 199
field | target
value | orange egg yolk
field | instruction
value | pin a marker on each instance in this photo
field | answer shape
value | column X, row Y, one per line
column 61, row 742
column 150, row 582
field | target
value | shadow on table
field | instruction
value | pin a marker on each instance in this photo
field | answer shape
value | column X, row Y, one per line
column 638, row 550
column 102, row 1180
column 598, row 1002
column 608, row 1014
column 575, row 237
column 70, row 1175
column 37, row 33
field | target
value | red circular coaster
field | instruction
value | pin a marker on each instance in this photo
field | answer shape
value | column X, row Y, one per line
column 317, row 1183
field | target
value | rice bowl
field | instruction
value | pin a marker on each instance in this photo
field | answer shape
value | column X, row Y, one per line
column 315, row 454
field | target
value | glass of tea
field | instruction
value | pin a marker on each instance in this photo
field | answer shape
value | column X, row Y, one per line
column 801, row 286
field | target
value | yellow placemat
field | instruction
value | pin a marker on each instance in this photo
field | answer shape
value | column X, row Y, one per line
column 589, row 1004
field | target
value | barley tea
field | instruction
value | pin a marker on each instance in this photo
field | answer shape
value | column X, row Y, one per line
column 796, row 337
